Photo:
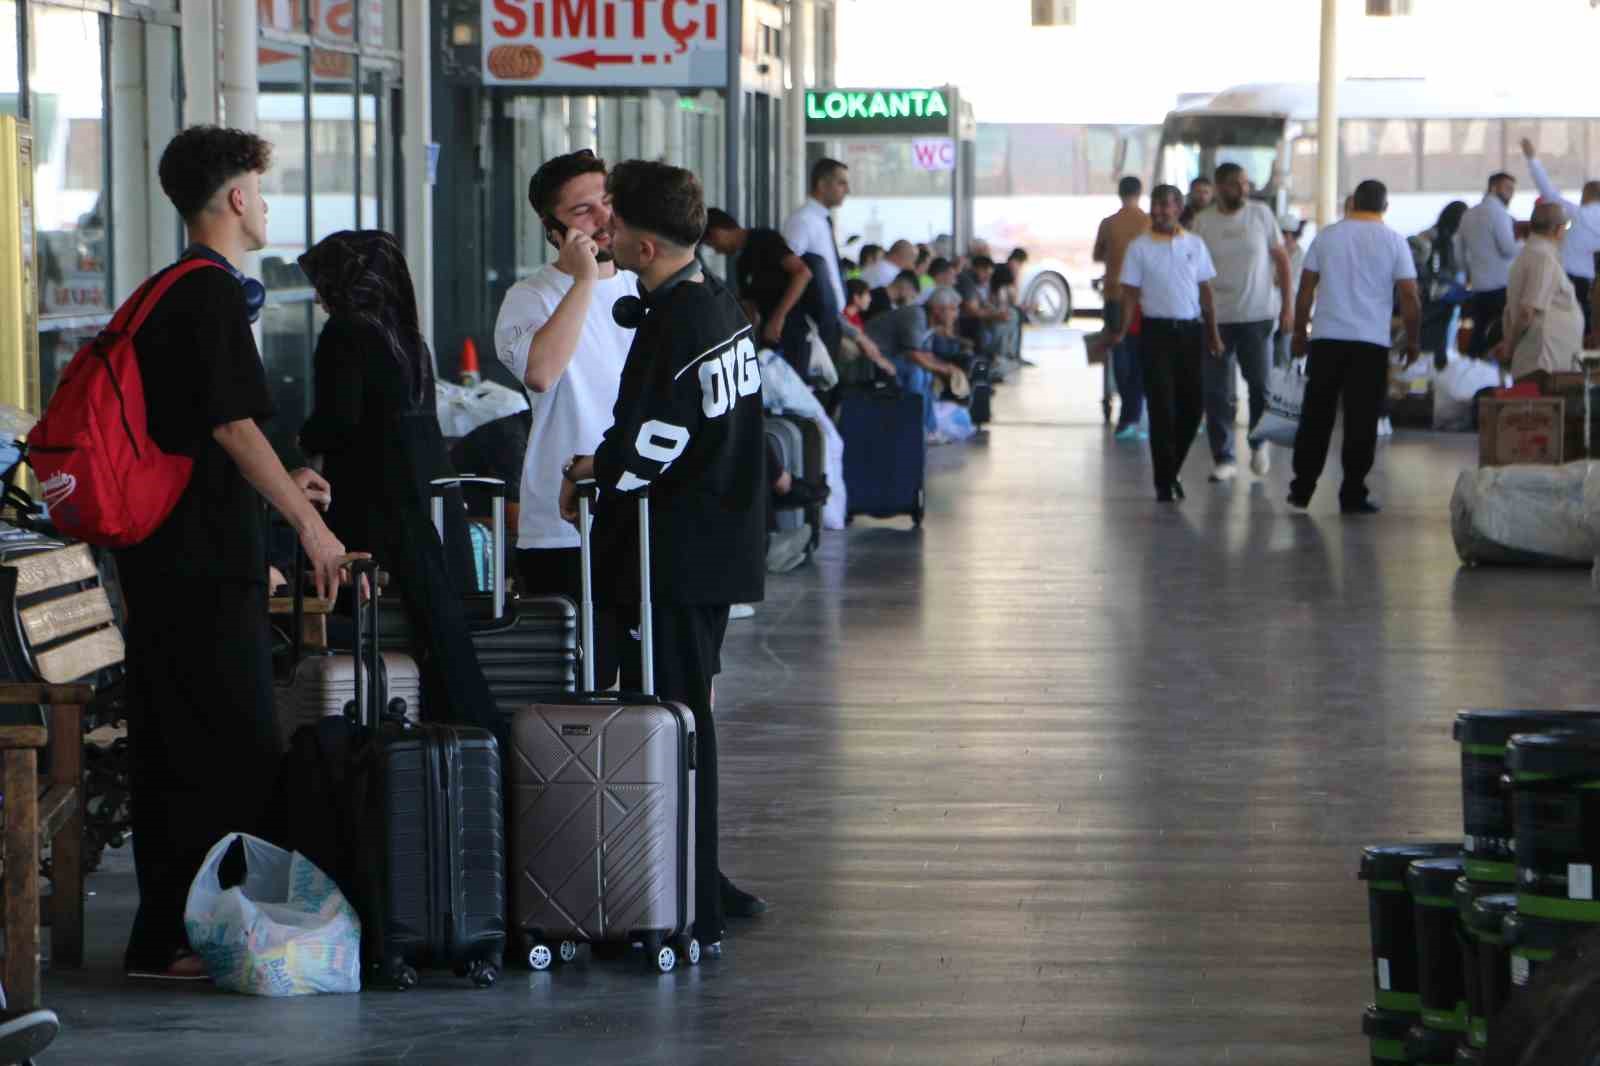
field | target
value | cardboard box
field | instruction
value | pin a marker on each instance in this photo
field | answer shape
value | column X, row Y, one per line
column 1521, row 430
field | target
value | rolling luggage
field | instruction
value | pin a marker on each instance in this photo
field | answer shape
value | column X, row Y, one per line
column 981, row 378
column 814, row 453
column 885, row 452
column 410, row 821
column 602, row 794
column 527, row 645
column 786, row 438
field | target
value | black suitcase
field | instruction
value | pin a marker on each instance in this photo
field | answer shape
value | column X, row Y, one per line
column 420, row 847
column 981, row 377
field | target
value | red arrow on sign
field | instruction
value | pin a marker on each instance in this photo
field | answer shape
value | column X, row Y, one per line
column 591, row 59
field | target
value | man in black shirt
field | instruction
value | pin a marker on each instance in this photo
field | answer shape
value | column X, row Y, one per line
column 771, row 276
column 688, row 428
column 204, row 736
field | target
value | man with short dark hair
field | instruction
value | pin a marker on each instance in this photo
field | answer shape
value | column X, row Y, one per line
column 1352, row 273
column 1489, row 240
column 556, row 335
column 810, row 231
column 1246, row 247
column 204, row 735
column 687, row 428
column 1110, row 246
column 978, row 317
column 1201, row 193
column 941, row 275
column 768, row 274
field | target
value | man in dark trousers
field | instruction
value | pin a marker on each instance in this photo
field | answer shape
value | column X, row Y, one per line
column 1353, row 273
column 769, row 274
column 688, row 429
column 201, row 722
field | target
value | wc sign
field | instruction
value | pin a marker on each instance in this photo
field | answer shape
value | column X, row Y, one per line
column 934, row 153
column 644, row 44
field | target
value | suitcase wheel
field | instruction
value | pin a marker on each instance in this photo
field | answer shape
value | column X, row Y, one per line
column 666, row 959
column 540, row 956
column 568, row 950
column 688, row 949
column 484, row 974
column 401, row 977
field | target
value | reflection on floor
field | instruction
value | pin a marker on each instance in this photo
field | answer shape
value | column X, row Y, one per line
column 1064, row 777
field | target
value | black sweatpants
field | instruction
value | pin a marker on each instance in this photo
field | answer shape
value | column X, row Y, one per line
column 1484, row 308
column 559, row 572
column 1170, row 354
column 1583, row 287
column 688, row 656
column 204, row 737
column 1357, row 374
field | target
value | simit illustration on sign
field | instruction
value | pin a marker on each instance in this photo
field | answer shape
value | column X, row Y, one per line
column 635, row 43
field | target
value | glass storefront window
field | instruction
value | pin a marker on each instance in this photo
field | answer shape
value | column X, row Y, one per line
column 333, row 143
column 10, row 83
column 287, row 343
column 377, row 171
column 281, row 113
column 286, row 15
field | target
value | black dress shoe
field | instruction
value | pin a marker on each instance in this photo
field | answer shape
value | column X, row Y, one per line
column 1177, row 489
column 1299, row 503
column 1364, row 507
column 737, row 903
column 1164, row 494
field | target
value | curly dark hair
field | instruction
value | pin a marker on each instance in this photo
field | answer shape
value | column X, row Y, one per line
column 202, row 159
column 661, row 199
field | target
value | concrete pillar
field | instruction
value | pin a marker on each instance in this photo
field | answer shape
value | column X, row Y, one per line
column 1328, row 118
column 164, row 120
column 580, row 123
column 241, row 83
column 199, row 62
column 417, row 195
column 793, row 187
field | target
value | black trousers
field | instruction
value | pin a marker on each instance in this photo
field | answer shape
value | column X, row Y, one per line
column 1583, row 287
column 204, row 737
column 559, row 572
column 688, row 656
column 1169, row 355
column 1484, row 308
column 1358, row 375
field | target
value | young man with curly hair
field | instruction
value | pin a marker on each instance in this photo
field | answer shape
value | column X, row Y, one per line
column 200, row 713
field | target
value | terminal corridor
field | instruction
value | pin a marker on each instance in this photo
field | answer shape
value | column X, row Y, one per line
column 1065, row 776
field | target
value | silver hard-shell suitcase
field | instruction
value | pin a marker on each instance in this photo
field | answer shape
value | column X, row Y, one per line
column 601, row 790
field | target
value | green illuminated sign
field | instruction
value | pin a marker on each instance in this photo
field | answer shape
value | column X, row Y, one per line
column 868, row 111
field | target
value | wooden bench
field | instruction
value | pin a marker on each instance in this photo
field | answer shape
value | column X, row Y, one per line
column 67, row 627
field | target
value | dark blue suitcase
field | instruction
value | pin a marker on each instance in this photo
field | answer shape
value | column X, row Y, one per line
column 885, row 452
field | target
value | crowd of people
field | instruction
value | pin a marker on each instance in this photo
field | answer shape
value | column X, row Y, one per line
column 1210, row 286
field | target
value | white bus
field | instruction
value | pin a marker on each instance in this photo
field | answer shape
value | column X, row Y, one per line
column 1429, row 142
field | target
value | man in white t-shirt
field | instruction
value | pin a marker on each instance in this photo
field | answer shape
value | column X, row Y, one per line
column 1354, row 270
column 1252, row 291
column 556, row 334
column 1166, row 274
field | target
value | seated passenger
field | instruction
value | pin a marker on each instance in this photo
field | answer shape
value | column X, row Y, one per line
column 902, row 335
column 857, row 298
column 941, row 275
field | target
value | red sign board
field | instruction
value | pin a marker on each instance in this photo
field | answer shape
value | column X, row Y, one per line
column 605, row 43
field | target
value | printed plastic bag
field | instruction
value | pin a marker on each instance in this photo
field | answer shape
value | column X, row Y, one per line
column 953, row 420
column 286, row 931
column 462, row 410
column 1286, row 391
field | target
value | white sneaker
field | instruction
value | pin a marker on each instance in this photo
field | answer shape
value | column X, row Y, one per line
column 741, row 610
column 1260, row 461
column 1224, row 472
column 1385, row 427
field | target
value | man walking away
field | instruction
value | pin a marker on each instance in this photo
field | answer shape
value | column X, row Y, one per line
column 1110, row 247
column 768, row 274
column 1353, row 270
column 1543, row 320
column 688, row 428
column 1167, row 275
column 1490, row 241
column 1247, row 247
column 1582, row 242
column 556, row 334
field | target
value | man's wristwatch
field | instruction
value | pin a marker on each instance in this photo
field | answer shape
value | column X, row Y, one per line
column 566, row 471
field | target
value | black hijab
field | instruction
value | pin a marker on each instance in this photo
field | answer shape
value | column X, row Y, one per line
column 363, row 273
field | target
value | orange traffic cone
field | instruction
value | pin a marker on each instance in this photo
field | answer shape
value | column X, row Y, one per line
column 469, row 363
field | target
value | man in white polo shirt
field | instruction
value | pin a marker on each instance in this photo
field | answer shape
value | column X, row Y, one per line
column 1353, row 270
column 1253, row 297
column 556, row 334
column 1582, row 242
column 1167, row 274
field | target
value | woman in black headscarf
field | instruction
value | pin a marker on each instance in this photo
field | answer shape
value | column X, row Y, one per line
column 375, row 427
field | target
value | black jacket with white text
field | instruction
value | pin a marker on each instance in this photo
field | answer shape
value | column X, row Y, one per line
column 688, row 427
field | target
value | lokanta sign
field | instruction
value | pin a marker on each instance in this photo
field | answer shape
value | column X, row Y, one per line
column 846, row 112
column 605, row 43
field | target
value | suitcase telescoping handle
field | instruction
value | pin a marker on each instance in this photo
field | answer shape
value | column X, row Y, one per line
column 587, row 490
column 497, row 490
column 366, row 705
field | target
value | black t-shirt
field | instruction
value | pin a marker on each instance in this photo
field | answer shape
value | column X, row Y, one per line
column 687, row 426
column 200, row 368
column 759, row 269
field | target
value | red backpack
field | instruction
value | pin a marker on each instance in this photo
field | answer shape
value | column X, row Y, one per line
column 101, row 474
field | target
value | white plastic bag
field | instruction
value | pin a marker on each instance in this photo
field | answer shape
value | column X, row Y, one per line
column 821, row 365
column 1524, row 515
column 462, row 410
column 286, row 931
column 953, row 420
column 782, row 390
column 1286, row 391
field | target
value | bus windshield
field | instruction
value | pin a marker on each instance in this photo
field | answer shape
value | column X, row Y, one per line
column 1195, row 144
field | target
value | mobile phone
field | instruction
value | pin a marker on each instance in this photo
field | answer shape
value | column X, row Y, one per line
column 554, row 230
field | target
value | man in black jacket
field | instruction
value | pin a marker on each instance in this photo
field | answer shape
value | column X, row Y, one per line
column 688, row 428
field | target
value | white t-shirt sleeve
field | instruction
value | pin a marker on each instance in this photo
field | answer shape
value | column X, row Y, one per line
column 1132, row 268
column 523, row 313
column 1313, row 260
column 1270, row 222
column 1204, row 268
column 1405, row 268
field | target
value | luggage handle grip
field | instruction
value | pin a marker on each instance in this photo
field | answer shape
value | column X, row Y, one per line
column 497, row 491
column 588, row 491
